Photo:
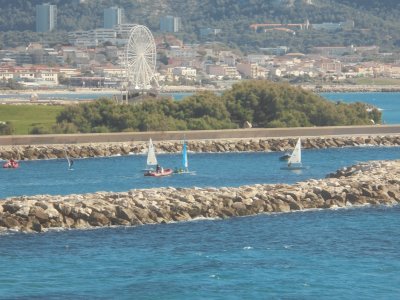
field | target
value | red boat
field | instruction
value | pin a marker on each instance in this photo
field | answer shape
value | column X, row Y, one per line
column 164, row 172
column 11, row 164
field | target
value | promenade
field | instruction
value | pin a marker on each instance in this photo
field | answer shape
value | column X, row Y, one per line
column 334, row 131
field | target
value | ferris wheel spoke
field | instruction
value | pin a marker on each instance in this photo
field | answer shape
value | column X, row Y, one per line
column 149, row 47
column 132, row 43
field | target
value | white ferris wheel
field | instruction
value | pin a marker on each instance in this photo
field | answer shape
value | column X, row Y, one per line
column 140, row 58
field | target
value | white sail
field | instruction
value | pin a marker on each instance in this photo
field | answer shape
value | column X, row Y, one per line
column 295, row 157
column 151, row 155
column 68, row 160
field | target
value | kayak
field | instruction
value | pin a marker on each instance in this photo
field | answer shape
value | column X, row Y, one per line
column 165, row 172
column 10, row 165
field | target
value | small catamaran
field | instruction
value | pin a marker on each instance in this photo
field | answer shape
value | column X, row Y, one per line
column 294, row 162
column 151, row 161
column 185, row 162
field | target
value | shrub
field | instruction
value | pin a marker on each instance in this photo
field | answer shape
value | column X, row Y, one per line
column 6, row 128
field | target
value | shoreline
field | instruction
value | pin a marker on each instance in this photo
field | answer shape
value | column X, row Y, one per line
column 372, row 183
column 337, row 88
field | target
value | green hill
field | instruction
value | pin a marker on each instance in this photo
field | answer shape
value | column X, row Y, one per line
column 376, row 22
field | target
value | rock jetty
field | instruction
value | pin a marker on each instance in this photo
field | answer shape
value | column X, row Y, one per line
column 31, row 152
column 373, row 183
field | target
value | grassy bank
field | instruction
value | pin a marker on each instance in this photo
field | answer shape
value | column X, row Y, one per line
column 25, row 117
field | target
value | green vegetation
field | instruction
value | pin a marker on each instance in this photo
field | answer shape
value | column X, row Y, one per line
column 376, row 21
column 24, row 118
column 6, row 128
column 267, row 104
column 263, row 103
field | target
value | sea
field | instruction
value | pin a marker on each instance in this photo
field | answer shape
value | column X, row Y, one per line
column 351, row 253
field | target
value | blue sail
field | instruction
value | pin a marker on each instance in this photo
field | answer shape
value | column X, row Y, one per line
column 184, row 156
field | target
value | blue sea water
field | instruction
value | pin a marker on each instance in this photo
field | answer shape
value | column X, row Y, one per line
column 123, row 173
column 335, row 254
column 388, row 102
column 326, row 254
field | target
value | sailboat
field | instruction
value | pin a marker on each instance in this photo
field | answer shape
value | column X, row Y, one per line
column 151, row 157
column 152, row 161
column 294, row 162
column 70, row 161
column 185, row 162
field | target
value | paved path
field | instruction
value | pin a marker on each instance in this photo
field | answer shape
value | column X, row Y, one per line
column 200, row 135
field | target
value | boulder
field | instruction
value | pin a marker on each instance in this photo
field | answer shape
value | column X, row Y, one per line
column 240, row 208
column 98, row 219
column 80, row 224
column 37, row 227
column 124, row 213
column 9, row 222
column 12, row 207
column 39, row 214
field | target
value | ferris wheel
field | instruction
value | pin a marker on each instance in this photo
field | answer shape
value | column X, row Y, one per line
column 140, row 58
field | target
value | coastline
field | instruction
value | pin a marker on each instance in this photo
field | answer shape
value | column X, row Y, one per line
column 372, row 183
column 189, row 89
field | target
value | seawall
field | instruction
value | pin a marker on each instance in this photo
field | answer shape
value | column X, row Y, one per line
column 373, row 183
column 52, row 151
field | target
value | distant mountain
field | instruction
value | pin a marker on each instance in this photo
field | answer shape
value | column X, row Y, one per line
column 375, row 21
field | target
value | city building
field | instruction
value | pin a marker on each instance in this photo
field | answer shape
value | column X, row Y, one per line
column 209, row 31
column 184, row 72
column 46, row 17
column 112, row 17
column 252, row 71
column 170, row 24
column 92, row 38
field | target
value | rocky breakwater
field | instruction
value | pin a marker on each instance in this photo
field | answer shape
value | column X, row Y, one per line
column 31, row 152
column 371, row 183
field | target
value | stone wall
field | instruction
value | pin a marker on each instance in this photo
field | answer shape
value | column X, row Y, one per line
column 29, row 152
column 372, row 183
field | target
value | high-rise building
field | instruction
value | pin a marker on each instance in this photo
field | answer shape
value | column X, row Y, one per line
column 113, row 16
column 46, row 17
column 170, row 24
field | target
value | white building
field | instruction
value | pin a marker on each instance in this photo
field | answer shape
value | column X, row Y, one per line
column 170, row 24
column 184, row 72
column 46, row 17
column 112, row 17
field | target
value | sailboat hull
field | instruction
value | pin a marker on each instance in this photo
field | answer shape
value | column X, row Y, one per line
column 293, row 168
column 185, row 172
column 165, row 172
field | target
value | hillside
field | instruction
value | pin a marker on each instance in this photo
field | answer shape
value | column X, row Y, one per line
column 375, row 22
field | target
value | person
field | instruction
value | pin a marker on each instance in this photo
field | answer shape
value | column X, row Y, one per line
column 158, row 168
